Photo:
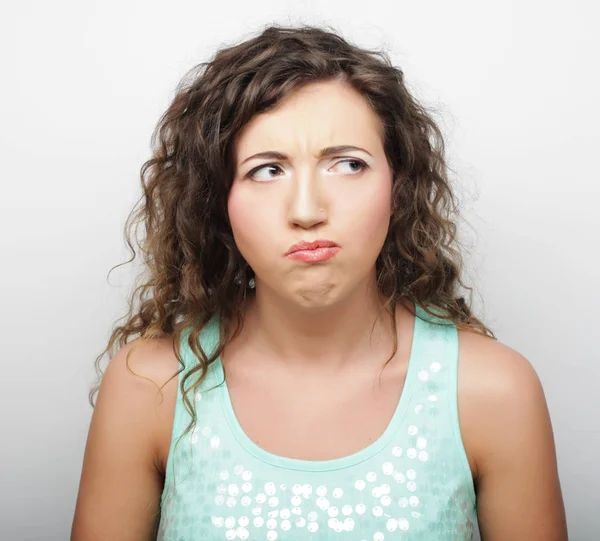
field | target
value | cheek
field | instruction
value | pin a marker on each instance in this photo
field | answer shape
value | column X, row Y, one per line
column 367, row 217
column 250, row 228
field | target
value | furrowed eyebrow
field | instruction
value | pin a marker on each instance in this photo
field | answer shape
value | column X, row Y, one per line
column 328, row 151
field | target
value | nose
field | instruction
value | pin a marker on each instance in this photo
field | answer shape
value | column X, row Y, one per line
column 306, row 209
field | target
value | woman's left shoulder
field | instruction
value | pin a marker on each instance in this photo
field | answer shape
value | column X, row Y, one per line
column 500, row 398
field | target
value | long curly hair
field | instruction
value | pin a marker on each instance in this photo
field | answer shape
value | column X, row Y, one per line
column 192, row 269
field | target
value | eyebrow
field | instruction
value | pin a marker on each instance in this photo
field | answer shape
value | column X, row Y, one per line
column 328, row 151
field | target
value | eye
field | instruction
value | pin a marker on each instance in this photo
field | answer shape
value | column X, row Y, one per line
column 356, row 165
column 269, row 166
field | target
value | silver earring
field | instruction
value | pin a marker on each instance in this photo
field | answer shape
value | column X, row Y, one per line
column 251, row 283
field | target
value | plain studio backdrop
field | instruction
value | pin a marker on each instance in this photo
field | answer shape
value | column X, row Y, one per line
column 514, row 86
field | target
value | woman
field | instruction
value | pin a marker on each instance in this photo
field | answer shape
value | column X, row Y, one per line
column 306, row 367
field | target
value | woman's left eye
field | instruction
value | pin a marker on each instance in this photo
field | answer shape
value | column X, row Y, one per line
column 356, row 165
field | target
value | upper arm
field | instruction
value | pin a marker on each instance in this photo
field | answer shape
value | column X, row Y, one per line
column 121, row 481
column 509, row 438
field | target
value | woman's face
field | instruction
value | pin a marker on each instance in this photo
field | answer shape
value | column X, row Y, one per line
column 303, row 189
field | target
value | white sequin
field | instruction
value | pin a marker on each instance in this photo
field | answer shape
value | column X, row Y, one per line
column 432, row 398
column 230, row 534
column 321, row 491
column 271, row 524
column 233, row 489
column 347, row 510
column 296, row 500
column 411, row 486
column 338, row 492
column 285, row 525
column 312, row 516
column 386, row 500
column 271, row 535
column 411, row 453
column 285, row 513
column 418, row 408
column 360, row 508
column 423, row 456
column 231, row 501
column 297, row 489
column 224, row 475
column 416, row 514
column 412, row 430
column 242, row 533
column 387, row 468
column 274, row 501
column 215, row 441
column 411, row 474
column 333, row 511
column 360, row 484
column 399, row 476
column 247, row 475
column 218, row 521
column 378, row 536
column 307, row 491
column 296, row 511
column 246, row 487
column 261, row 498
column 220, row 499
column 376, row 492
column 348, row 524
column 198, row 395
column 229, row 523
column 377, row 511
column 300, row 522
column 322, row 503
column 403, row 502
column 243, row 521
column 397, row 451
column 423, row 375
column 238, row 470
column 256, row 511
column 392, row 524
column 270, row 488
column 246, row 501
column 421, row 443
column 385, row 488
column 371, row 476
column 313, row 527
column 413, row 500
column 206, row 431
column 435, row 367
column 403, row 524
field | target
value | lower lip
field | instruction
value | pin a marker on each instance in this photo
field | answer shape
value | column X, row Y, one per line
column 318, row 254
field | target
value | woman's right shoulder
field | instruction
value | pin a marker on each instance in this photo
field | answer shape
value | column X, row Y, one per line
column 142, row 380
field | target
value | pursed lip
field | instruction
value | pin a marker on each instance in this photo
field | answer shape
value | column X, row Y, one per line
column 313, row 245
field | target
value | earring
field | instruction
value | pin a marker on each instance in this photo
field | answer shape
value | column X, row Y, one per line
column 252, row 283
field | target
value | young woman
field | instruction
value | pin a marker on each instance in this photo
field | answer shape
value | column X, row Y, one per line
column 303, row 365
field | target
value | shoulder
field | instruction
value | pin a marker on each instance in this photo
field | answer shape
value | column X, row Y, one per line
column 140, row 383
column 500, row 396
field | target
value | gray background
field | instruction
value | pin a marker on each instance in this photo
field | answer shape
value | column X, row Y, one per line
column 515, row 88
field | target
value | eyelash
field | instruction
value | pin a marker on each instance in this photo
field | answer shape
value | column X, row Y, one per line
column 363, row 165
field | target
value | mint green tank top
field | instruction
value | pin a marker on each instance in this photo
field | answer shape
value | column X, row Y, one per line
column 413, row 483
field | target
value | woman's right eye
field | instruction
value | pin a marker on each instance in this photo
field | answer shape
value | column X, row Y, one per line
column 270, row 166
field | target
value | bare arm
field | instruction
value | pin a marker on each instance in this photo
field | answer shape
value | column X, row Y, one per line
column 509, row 434
column 121, row 479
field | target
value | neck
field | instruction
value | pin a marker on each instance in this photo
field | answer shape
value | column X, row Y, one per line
column 353, row 329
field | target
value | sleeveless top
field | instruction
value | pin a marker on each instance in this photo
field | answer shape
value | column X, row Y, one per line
column 413, row 483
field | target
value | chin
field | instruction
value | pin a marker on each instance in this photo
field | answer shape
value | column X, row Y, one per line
column 316, row 295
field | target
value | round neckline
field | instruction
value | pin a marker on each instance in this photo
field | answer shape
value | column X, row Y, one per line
column 335, row 463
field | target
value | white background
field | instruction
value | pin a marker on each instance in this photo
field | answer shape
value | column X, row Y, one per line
column 515, row 85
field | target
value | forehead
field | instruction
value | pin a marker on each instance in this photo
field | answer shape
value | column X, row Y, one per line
column 310, row 118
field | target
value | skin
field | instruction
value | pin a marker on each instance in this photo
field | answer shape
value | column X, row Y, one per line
column 309, row 327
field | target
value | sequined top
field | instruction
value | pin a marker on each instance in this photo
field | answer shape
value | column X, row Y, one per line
column 413, row 483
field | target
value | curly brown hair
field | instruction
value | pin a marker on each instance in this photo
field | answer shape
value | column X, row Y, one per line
column 194, row 269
